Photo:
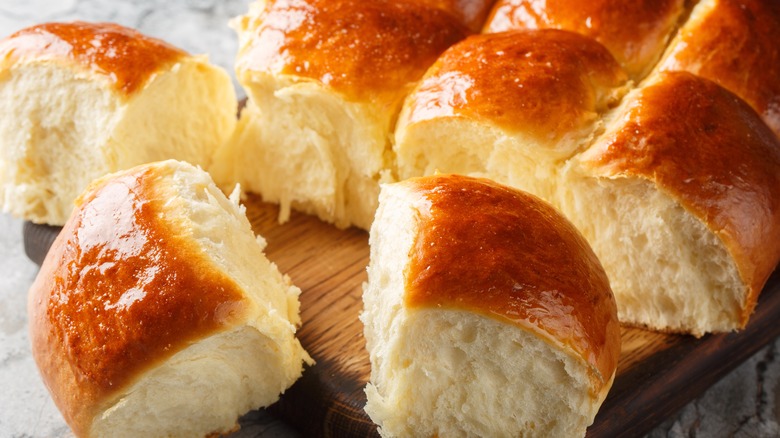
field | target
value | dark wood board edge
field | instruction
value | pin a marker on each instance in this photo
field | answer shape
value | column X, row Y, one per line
column 302, row 407
column 37, row 239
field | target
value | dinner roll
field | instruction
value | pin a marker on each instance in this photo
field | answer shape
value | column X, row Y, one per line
column 79, row 100
column 325, row 81
column 635, row 32
column 486, row 314
column 735, row 43
column 511, row 106
column 680, row 199
column 156, row 313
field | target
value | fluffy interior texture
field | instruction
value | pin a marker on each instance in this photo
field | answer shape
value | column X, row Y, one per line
column 63, row 128
column 221, row 227
column 301, row 145
column 200, row 390
column 450, row 373
column 51, row 136
column 437, row 372
column 667, row 270
column 469, row 147
column 185, row 113
column 228, row 373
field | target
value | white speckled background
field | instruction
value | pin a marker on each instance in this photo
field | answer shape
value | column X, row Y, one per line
column 741, row 405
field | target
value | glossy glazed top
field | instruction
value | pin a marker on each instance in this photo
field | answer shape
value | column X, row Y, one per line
column 735, row 43
column 505, row 254
column 545, row 83
column 126, row 57
column 122, row 290
column 635, row 32
column 362, row 49
column 709, row 150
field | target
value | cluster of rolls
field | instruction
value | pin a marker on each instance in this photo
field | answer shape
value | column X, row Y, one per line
column 646, row 132
column 652, row 126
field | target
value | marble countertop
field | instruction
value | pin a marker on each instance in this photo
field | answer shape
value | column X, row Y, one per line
column 743, row 404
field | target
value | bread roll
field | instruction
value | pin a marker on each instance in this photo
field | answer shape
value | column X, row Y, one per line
column 680, row 199
column 735, row 43
column 508, row 106
column 681, row 203
column 156, row 313
column 635, row 32
column 325, row 81
column 486, row 314
column 79, row 100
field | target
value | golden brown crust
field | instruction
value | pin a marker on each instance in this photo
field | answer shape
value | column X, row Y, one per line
column 490, row 249
column 362, row 49
column 737, row 45
column 120, row 291
column 545, row 83
column 712, row 153
column 635, row 32
column 126, row 57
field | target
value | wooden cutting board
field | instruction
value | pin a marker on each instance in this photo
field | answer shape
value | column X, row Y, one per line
column 657, row 373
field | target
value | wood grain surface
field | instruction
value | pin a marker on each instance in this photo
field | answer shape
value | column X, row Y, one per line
column 657, row 373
